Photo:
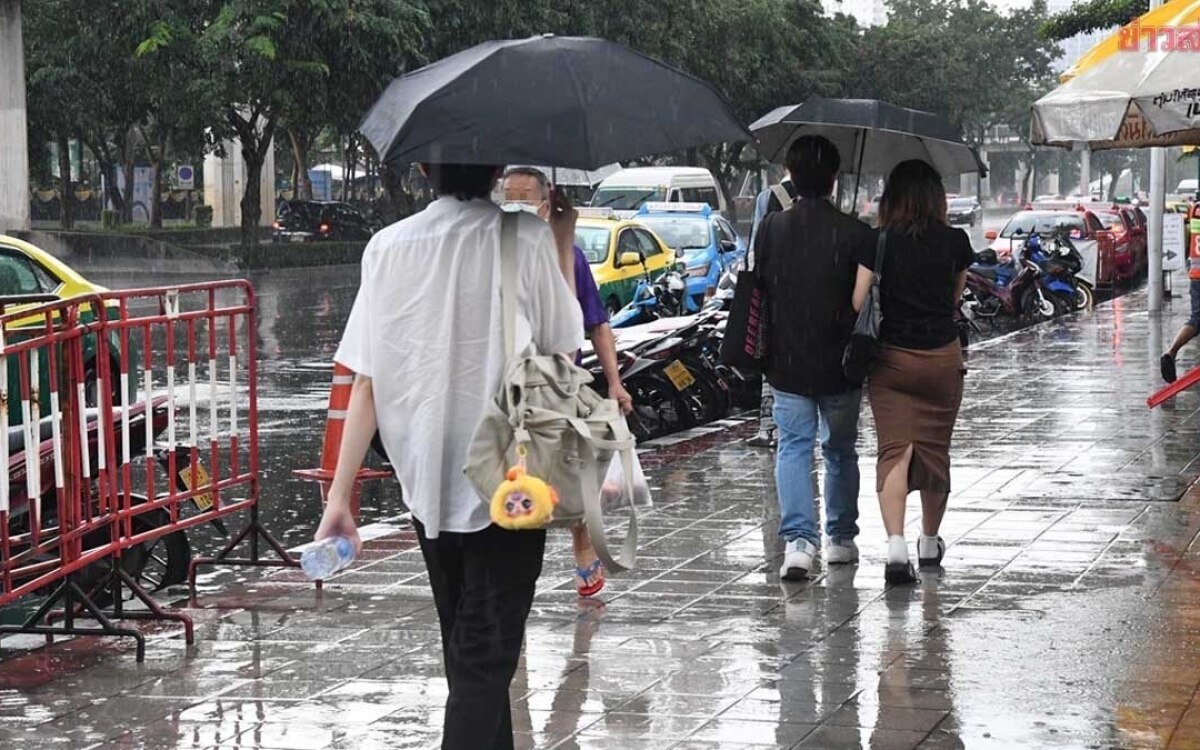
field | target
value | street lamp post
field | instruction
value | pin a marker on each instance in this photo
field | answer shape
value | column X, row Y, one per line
column 1158, row 189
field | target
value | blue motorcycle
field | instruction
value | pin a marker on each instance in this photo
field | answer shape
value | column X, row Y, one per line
column 664, row 297
column 1058, row 260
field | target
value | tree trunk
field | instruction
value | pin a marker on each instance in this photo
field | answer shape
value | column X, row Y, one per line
column 127, row 216
column 109, row 168
column 302, row 184
column 156, row 163
column 348, row 173
column 66, row 187
column 393, row 185
column 252, row 198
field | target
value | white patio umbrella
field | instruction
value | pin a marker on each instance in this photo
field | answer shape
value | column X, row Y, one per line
column 1136, row 89
column 1139, row 88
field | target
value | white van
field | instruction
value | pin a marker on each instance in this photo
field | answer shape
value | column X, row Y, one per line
column 627, row 190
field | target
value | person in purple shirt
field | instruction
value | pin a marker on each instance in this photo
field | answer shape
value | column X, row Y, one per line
column 529, row 186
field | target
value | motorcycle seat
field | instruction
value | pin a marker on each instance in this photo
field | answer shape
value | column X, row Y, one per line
column 16, row 435
column 988, row 272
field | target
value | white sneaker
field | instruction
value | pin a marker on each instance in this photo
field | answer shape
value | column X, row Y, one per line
column 798, row 557
column 841, row 554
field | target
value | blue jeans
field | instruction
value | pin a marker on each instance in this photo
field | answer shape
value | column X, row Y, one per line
column 797, row 418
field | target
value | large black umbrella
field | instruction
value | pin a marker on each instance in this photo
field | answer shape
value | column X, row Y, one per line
column 871, row 136
column 568, row 101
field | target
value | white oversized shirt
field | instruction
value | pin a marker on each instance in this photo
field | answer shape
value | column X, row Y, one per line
column 427, row 328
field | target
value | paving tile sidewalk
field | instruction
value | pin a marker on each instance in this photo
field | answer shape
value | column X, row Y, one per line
column 1066, row 615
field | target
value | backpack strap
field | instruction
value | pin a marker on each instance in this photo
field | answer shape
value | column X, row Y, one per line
column 783, row 196
column 508, row 281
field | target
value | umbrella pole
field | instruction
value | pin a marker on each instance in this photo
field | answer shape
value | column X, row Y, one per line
column 862, row 147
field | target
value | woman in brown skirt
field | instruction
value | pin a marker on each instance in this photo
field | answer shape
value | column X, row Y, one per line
column 917, row 384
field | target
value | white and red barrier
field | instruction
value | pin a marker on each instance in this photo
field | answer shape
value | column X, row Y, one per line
column 149, row 426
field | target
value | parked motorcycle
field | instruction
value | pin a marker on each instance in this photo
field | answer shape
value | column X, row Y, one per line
column 665, row 366
column 1012, row 289
column 1059, row 262
column 663, row 297
column 156, row 564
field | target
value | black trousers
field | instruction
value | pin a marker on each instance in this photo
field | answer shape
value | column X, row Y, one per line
column 483, row 584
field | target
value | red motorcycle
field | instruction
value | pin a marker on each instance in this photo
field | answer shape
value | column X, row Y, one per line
column 155, row 565
column 1012, row 290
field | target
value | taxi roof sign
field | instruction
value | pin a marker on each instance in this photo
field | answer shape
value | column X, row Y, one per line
column 676, row 208
column 598, row 212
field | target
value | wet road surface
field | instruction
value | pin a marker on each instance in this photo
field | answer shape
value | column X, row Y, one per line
column 1065, row 616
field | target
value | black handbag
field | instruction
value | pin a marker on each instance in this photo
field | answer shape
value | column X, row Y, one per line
column 863, row 349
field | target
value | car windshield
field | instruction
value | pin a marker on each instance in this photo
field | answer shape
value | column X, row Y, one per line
column 960, row 204
column 593, row 241
column 680, row 233
column 1042, row 222
column 626, row 198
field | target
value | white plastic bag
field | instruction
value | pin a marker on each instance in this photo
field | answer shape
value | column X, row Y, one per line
column 614, row 494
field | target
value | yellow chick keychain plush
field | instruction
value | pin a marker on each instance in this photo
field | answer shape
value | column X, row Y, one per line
column 523, row 502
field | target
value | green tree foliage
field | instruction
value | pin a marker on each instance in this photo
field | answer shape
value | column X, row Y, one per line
column 1093, row 15
column 162, row 76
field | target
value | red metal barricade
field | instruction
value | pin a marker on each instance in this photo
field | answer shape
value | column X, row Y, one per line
column 151, row 428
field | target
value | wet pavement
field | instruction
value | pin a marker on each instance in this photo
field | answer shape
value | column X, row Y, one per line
column 1066, row 614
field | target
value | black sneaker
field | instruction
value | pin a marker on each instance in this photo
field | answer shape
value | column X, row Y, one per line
column 924, row 557
column 1168, row 368
column 898, row 574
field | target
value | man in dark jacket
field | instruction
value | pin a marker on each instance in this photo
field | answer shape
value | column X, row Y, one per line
column 805, row 254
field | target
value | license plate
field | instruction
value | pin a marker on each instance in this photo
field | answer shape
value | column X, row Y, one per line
column 296, row 238
column 203, row 501
column 680, row 376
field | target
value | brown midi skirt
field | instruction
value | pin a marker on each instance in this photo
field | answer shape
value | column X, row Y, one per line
column 915, row 395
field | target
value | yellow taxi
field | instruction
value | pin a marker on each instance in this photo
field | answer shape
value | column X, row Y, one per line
column 620, row 253
column 27, row 271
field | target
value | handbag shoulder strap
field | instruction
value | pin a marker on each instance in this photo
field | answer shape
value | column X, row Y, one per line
column 880, row 251
column 508, row 281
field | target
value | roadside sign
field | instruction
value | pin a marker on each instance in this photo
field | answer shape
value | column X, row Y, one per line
column 1174, row 242
column 185, row 177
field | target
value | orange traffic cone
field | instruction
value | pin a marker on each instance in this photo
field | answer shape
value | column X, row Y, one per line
column 335, row 424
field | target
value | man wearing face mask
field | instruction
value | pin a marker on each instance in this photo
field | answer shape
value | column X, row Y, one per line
column 528, row 187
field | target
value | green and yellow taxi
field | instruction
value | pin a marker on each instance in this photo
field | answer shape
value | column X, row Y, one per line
column 620, row 252
column 28, row 271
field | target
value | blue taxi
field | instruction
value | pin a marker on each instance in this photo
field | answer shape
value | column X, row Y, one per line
column 704, row 240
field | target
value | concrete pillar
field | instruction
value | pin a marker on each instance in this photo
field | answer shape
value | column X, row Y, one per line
column 1052, row 184
column 966, row 183
column 1085, row 173
column 14, row 131
column 225, row 183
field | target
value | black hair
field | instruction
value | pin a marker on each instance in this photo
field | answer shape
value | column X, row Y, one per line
column 542, row 181
column 813, row 162
column 463, row 181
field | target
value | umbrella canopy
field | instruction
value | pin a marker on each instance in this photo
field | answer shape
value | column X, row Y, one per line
column 872, row 136
column 1128, row 92
column 577, row 177
column 569, row 101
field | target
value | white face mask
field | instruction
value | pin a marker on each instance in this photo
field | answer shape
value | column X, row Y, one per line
column 525, row 206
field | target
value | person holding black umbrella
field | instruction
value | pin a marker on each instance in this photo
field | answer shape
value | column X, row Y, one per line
column 428, row 352
column 805, row 257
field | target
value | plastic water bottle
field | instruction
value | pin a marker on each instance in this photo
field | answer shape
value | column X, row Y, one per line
column 326, row 557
